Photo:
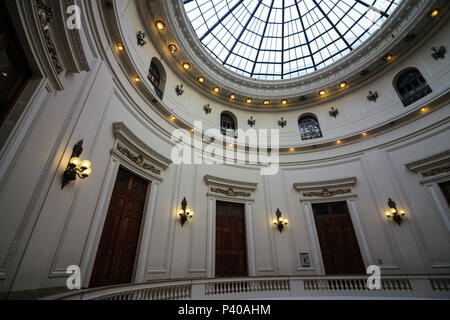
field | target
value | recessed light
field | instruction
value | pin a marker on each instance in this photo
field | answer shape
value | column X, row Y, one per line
column 201, row 79
column 120, row 47
column 249, row 100
column 232, row 96
column 186, row 65
column 343, row 84
column 291, row 149
column 322, row 92
column 364, row 134
column 339, row 142
column 284, row 101
column 173, row 48
column 387, row 57
column 160, row 25
column 424, row 109
column 172, row 118
column 434, row 13
column 4, row 74
column 216, row 89
column 137, row 79
column 266, row 102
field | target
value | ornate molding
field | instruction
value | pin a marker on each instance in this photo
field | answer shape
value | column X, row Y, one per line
column 431, row 168
column 345, row 182
column 326, row 189
column 231, row 192
column 45, row 16
column 327, row 193
column 126, row 137
column 138, row 159
column 436, row 171
column 228, row 183
column 423, row 164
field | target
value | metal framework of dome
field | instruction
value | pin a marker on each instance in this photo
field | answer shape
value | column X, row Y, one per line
column 284, row 39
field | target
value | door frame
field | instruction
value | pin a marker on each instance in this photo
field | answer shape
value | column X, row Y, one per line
column 244, row 195
column 124, row 154
column 357, row 227
column 340, row 190
column 142, row 228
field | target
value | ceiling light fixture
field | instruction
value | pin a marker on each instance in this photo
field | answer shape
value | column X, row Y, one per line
column 173, row 48
column 120, row 47
column 266, row 102
column 216, row 89
column 160, row 25
column 284, row 102
column 343, row 84
column 201, row 79
column 388, row 57
column 172, row 118
column 433, row 13
column 249, row 100
column 322, row 92
column 186, row 65
column 137, row 79
column 232, row 96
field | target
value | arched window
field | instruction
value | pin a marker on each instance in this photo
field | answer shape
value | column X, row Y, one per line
column 157, row 76
column 411, row 86
column 309, row 127
column 228, row 124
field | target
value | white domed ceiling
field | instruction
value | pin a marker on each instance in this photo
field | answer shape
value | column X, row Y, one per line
column 284, row 39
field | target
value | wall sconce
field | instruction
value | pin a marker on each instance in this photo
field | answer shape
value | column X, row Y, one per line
column 280, row 222
column 184, row 212
column 394, row 214
column 76, row 167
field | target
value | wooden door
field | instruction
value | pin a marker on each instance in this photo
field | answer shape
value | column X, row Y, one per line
column 14, row 69
column 339, row 246
column 231, row 247
column 445, row 187
column 118, row 245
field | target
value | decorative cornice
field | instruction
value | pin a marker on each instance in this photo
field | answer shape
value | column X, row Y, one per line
column 231, row 192
column 428, row 162
column 138, row 159
column 122, row 133
column 45, row 16
column 326, row 185
column 228, row 183
column 320, row 190
column 327, row 193
column 436, row 171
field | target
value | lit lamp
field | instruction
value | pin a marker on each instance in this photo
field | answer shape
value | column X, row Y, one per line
column 185, row 213
column 280, row 222
column 395, row 214
column 76, row 167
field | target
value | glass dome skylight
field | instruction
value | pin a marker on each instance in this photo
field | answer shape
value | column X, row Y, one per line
column 283, row 39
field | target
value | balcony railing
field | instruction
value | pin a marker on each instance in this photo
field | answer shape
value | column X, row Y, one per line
column 318, row 287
